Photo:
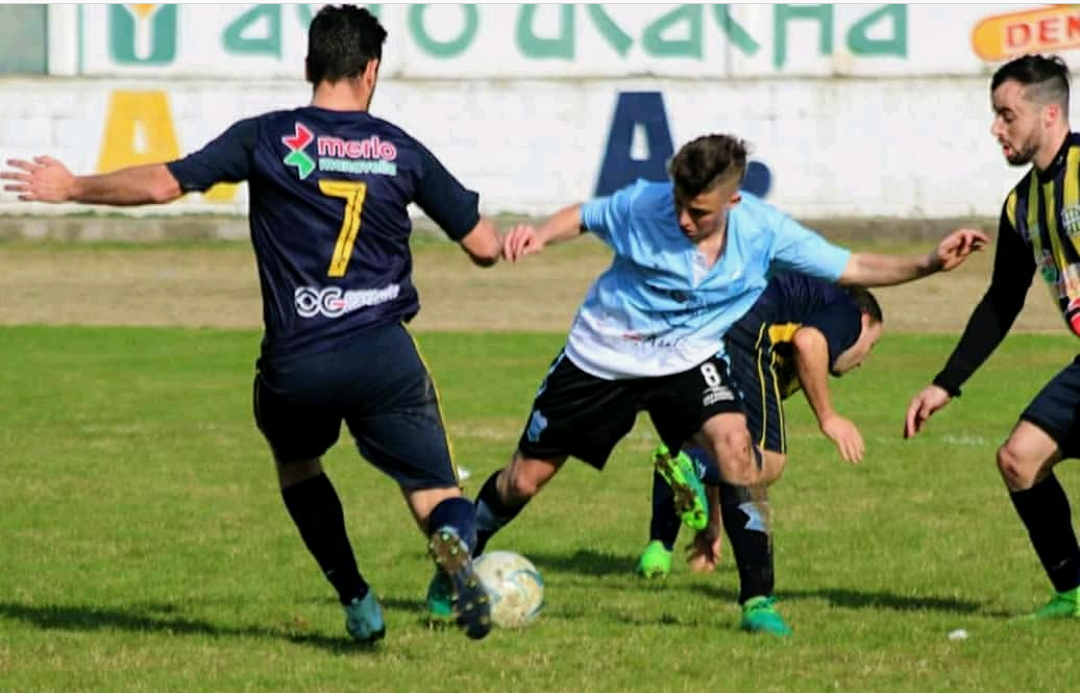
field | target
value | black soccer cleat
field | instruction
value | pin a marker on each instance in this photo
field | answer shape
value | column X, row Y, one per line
column 471, row 601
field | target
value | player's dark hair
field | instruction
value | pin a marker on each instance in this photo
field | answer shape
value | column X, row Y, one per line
column 866, row 302
column 701, row 165
column 1045, row 78
column 342, row 39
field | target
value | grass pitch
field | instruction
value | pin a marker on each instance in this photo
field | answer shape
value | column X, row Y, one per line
column 145, row 547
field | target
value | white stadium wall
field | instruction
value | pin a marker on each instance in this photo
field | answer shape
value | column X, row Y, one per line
column 851, row 110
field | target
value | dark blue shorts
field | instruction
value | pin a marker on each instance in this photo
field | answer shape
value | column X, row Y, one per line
column 754, row 369
column 379, row 386
column 1056, row 409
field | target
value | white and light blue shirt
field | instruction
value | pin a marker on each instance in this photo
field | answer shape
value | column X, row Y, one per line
column 658, row 309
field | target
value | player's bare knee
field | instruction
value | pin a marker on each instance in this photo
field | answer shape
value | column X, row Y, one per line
column 1017, row 472
column 737, row 463
column 774, row 467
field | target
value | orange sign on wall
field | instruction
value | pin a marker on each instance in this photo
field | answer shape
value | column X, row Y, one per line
column 1052, row 28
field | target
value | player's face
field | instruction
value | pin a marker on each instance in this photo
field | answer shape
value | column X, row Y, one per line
column 854, row 356
column 1018, row 123
column 706, row 214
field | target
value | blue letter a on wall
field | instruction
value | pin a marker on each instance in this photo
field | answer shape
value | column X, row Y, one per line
column 642, row 113
column 636, row 111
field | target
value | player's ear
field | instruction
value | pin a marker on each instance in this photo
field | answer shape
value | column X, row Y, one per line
column 1052, row 113
column 371, row 72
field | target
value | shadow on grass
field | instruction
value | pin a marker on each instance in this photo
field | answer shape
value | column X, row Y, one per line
column 585, row 562
column 592, row 563
column 152, row 618
column 848, row 598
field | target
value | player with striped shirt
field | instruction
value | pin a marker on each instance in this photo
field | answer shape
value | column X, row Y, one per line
column 1039, row 230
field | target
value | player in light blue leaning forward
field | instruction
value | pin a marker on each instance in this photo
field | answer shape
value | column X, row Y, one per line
column 691, row 256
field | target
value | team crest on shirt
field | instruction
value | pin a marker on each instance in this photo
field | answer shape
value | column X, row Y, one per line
column 1070, row 220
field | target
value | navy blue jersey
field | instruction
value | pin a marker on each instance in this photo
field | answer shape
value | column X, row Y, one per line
column 329, row 192
column 790, row 301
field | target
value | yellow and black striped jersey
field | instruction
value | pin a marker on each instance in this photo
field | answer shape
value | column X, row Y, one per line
column 1039, row 229
column 1044, row 210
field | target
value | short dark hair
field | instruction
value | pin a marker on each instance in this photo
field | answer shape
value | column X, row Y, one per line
column 1045, row 78
column 866, row 302
column 342, row 39
column 704, row 163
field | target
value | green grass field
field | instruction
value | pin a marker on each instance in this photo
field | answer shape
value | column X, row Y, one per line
column 145, row 547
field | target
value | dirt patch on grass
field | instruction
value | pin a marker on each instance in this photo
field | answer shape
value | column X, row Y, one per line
column 217, row 286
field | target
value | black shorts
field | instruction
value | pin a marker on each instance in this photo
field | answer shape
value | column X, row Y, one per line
column 379, row 386
column 1056, row 409
column 578, row 414
column 755, row 369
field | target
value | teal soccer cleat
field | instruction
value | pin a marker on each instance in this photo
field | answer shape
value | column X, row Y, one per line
column 364, row 619
column 440, row 596
column 470, row 599
column 680, row 473
column 759, row 615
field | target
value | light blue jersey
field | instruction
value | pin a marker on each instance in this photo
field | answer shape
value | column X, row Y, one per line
column 658, row 309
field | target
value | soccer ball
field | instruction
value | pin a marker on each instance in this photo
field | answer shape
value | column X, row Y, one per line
column 514, row 585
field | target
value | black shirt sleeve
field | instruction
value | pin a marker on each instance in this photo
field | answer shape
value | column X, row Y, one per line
column 1014, row 267
column 226, row 159
column 452, row 206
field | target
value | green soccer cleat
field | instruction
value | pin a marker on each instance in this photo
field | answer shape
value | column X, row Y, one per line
column 680, row 473
column 364, row 619
column 1061, row 605
column 655, row 561
column 440, row 596
column 759, row 615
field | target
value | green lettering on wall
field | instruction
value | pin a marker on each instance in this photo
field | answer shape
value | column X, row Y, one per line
column 533, row 46
column 734, row 31
column 616, row 37
column 236, row 40
column 782, row 14
column 142, row 34
column 653, row 40
column 858, row 36
column 443, row 49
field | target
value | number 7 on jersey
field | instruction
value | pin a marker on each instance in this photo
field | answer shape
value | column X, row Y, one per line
column 353, row 192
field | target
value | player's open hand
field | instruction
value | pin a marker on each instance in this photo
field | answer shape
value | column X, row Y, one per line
column 922, row 407
column 520, row 241
column 703, row 554
column 846, row 437
column 955, row 248
column 42, row 180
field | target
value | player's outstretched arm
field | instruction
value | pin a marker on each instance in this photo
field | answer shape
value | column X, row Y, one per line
column 876, row 269
column 811, row 353
column 482, row 244
column 526, row 239
column 45, row 179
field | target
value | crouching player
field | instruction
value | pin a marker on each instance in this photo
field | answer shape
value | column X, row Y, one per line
column 798, row 332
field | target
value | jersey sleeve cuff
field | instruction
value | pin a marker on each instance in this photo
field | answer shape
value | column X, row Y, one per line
column 941, row 381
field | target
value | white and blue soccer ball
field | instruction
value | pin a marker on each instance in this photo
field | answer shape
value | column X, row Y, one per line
column 514, row 585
